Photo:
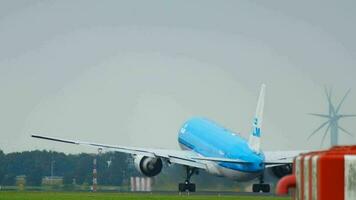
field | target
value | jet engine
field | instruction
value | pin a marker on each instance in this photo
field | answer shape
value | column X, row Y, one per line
column 282, row 170
column 148, row 166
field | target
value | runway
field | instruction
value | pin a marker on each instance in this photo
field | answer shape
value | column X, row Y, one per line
column 37, row 195
column 207, row 193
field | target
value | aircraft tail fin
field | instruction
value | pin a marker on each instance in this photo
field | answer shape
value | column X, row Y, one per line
column 254, row 140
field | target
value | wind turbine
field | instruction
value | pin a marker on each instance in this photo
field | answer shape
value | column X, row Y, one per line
column 332, row 120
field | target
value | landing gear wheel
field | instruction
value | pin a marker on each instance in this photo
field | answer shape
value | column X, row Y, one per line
column 187, row 186
column 181, row 187
column 266, row 188
column 256, row 188
column 191, row 187
column 261, row 187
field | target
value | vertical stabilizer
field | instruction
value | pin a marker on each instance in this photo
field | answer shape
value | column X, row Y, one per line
column 254, row 140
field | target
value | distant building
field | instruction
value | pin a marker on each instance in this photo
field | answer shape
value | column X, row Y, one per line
column 52, row 180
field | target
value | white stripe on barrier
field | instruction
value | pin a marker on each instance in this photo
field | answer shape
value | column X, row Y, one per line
column 298, row 193
column 350, row 177
column 306, row 177
column 314, row 194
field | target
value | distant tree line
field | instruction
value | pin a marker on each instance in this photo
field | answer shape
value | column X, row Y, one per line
column 113, row 167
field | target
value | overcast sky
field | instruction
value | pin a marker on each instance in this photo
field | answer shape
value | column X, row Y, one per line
column 131, row 72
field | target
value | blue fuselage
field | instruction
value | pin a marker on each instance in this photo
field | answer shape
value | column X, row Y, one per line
column 211, row 140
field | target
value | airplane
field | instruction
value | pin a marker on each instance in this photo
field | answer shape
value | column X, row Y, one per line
column 208, row 146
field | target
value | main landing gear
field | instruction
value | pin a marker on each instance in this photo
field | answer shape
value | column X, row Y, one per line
column 187, row 186
column 261, row 187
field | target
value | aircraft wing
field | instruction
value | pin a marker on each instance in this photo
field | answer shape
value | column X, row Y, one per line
column 182, row 157
column 273, row 158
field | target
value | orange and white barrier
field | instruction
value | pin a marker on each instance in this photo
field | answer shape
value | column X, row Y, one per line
column 323, row 175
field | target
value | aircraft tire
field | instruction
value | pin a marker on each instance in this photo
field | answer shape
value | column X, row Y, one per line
column 266, row 188
column 191, row 187
column 181, row 187
column 256, row 188
column 186, row 187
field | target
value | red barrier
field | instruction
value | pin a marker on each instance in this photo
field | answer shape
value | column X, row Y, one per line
column 285, row 184
column 323, row 175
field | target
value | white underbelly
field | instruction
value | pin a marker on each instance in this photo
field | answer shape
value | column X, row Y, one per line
column 218, row 170
column 238, row 175
column 215, row 169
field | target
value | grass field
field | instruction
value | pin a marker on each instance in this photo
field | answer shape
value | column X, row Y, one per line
column 117, row 196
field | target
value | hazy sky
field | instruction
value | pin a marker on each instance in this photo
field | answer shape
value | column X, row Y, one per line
column 131, row 72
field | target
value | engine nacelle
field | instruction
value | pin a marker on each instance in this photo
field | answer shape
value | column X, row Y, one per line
column 282, row 170
column 148, row 166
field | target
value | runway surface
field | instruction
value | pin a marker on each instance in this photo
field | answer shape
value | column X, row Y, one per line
column 208, row 193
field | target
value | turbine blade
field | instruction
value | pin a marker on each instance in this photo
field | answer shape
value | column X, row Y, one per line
column 342, row 101
column 320, row 127
column 341, row 116
column 319, row 115
column 328, row 96
column 345, row 131
column 326, row 132
column 326, row 91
